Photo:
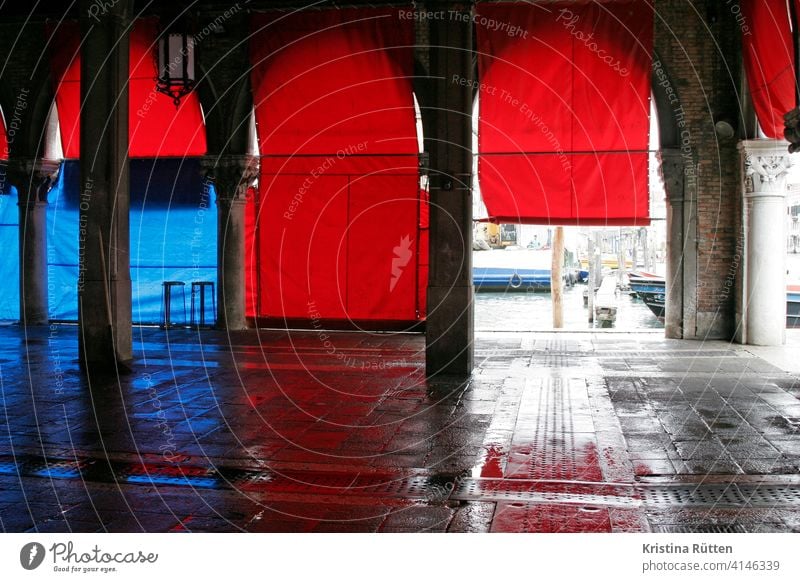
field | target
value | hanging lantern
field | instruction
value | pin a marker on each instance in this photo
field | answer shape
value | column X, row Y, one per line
column 176, row 64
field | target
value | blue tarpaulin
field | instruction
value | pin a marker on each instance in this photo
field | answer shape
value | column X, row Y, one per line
column 9, row 254
column 173, row 232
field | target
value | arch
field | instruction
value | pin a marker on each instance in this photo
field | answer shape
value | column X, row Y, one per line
column 39, row 111
column 667, row 99
column 156, row 127
column 213, row 115
column 172, row 214
column 565, row 112
column 25, row 110
column 226, row 115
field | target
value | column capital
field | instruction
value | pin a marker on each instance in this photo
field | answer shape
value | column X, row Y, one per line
column 33, row 178
column 766, row 166
column 232, row 175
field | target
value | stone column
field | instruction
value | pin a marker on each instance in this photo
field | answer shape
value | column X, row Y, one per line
column 232, row 175
column 104, row 281
column 33, row 180
column 449, row 327
column 765, row 166
column 672, row 171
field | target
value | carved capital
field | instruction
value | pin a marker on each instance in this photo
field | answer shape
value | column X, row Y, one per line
column 766, row 167
column 33, row 178
column 231, row 175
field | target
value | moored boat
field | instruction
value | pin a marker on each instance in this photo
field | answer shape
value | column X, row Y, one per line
column 793, row 305
column 515, row 270
column 651, row 289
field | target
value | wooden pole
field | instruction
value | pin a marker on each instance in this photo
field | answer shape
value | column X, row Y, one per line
column 556, row 278
column 592, row 266
column 620, row 260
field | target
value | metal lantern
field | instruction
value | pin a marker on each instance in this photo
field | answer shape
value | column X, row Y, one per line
column 176, row 65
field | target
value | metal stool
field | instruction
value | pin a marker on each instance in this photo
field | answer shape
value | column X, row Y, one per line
column 199, row 287
column 166, row 302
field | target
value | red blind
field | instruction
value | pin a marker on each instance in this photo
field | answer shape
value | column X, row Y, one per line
column 156, row 128
column 338, row 207
column 768, row 62
column 565, row 111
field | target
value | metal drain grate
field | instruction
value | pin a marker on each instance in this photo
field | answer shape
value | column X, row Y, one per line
column 701, row 528
column 509, row 490
column 632, row 355
column 627, row 355
column 549, row 360
column 433, row 488
column 720, row 495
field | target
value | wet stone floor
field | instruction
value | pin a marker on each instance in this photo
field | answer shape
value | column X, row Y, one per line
column 271, row 431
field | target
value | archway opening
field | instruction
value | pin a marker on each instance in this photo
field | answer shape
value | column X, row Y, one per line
column 563, row 130
column 340, row 225
column 173, row 224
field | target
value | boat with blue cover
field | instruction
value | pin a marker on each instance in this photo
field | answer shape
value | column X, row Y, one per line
column 515, row 270
column 651, row 289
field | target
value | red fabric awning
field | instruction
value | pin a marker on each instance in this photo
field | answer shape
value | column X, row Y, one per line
column 333, row 79
column 156, row 128
column 768, row 61
column 565, row 112
column 3, row 139
column 338, row 205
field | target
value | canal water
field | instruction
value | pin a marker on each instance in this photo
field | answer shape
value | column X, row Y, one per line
column 533, row 311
